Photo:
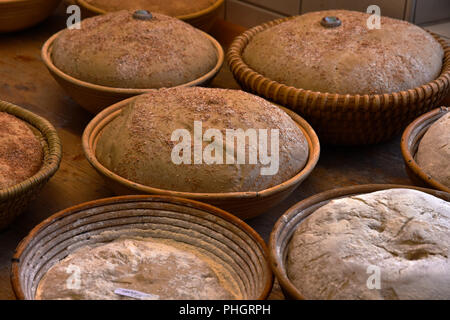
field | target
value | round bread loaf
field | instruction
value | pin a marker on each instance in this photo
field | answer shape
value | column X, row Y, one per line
column 139, row 144
column 433, row 154
column 348, row 59
column 160, row 269
column 391, row 244
column 170, row 8
column 120, row 51
column 21, row 152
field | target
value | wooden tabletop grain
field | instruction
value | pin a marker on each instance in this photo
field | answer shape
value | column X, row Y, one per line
column 25, row 81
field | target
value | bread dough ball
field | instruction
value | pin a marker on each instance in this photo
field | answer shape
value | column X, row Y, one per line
column 162, row 269
column 349, row 59
column 402, row 233
column 138, row 145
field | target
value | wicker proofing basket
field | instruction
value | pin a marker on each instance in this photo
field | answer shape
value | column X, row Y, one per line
column 14, row 200
column 20, row 14
column 410, row 143
column 226, row 239
column 94, row 98
column 203, row 19
column 245, row 205
column 343, row 119
column 288, row 222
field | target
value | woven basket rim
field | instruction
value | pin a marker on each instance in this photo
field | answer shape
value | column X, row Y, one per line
column 277, row 263
column 236, row 62
column 96, row 10
column 409, row 157
column 46, row 58
column 212, row 210
column 100, row 120
column 50, row 166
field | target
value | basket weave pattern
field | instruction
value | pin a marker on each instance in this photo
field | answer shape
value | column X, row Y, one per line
column 337, row 118
column 14, row 200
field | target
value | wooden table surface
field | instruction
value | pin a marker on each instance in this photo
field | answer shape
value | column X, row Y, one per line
column 25, row 81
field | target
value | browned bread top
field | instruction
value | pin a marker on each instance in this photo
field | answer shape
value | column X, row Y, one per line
column 138, row 144
column 120, row 51
column 349, row 59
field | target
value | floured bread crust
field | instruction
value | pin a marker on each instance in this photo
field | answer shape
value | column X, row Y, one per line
column 350, row 59
column 21, row 153
column 170, row 8
column 138, row 145
column 119, row 51
column 164, row 269
column 433, row 154
column 405, row 233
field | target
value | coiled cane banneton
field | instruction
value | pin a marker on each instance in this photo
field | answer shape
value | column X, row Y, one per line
column 338, row 118
column 225, row 239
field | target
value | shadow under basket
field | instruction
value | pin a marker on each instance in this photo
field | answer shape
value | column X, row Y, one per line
column 287, row 224
column 218, row 234
column 203, row 19
column 411, row 139
column 338, row 118
column 14, row 200
column 244, row 205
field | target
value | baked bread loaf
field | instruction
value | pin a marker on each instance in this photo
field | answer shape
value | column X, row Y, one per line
column 21, row 152
column 161, row 269
column 433, row 154
column 121, row 51
column 170, row 8
column 348, row 59
column 138, row 145
column 402, row 233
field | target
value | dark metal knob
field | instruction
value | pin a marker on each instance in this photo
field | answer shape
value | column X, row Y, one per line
column 142, row 15
column 331, row 22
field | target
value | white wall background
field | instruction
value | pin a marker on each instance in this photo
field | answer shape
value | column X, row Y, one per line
column 249, row 13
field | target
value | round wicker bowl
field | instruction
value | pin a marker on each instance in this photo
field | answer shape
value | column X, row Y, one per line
column 337, row 118
column 14, row 200
column 95, row 98
column 288, row 222
column 16, row 15
column 220, row 235
column 245, row 205
column 203, row 19
column 410, row 143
